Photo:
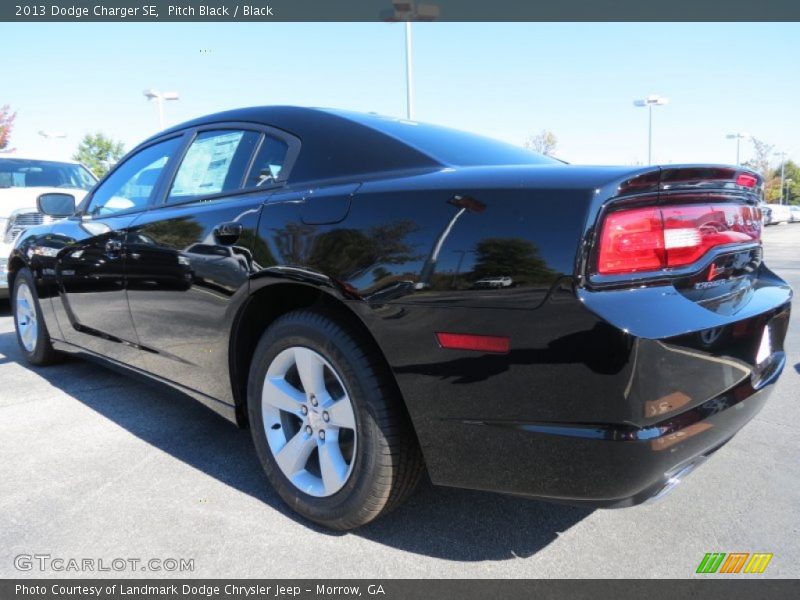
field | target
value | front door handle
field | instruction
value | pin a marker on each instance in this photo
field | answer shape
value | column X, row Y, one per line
column 228, row 233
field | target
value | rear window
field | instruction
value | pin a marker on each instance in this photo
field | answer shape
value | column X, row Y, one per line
column 451, row 146
column 22, row 173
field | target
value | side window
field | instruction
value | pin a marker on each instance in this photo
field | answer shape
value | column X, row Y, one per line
column 215, row 162
column 131, row 185
column 268, row 163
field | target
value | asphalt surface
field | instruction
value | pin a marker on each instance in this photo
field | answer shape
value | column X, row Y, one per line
column 96, row 465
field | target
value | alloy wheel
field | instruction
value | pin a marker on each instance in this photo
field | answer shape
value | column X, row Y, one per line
column 309, row 421
column 25, row 314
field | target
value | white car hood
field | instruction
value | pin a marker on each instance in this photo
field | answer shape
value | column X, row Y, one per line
column 15, row 198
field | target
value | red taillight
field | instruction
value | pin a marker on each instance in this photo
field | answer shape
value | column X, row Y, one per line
column 632, row 240
column 746, row 180
column 466, row 341
column 649, row 239
column 691, row 231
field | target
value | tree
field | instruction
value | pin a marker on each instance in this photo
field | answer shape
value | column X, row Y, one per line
column 98, row 152
column 345, row 253
column 497, row 257
column 791, row 183
column 761, row 154
column 348, row 253
column 760, row 164
column 545, row 142
column 6, row 125
column 175, row 234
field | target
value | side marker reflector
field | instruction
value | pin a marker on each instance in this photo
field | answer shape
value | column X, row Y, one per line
column 481, row 343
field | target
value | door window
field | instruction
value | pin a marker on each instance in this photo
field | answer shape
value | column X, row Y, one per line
column 133, row 183
column 215, row 162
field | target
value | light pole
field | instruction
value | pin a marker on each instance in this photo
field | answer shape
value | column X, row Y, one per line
column 782, row 154
column 409, row 73
column 52, row 135
column 408, row 11
column 159, row 97
column 54, row 146
column 651, row 101
column 738, row 137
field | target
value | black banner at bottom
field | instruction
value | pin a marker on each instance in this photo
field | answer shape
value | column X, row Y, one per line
column 391, row 589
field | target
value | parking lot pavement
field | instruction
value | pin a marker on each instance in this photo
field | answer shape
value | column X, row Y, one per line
column 97, row 465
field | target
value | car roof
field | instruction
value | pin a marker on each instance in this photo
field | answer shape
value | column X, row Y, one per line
column 334, row 145
column 339, row 143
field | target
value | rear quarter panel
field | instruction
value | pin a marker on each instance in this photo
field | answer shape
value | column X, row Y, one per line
column 407, row 258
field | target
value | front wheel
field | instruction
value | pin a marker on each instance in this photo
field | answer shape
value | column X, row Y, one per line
column 32, row 335
column 328, row 424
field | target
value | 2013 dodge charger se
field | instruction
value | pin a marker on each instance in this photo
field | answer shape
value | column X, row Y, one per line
column 318, row 275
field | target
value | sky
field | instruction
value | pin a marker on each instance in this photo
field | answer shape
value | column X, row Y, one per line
column 505, row 80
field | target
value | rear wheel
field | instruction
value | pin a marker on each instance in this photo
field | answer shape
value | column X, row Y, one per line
column 32, row 334
column 327, row 422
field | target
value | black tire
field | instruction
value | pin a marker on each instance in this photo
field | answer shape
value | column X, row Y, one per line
column 42, row 352
column 387, row 462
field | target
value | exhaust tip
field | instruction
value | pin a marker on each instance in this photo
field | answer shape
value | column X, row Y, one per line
column 673, row 478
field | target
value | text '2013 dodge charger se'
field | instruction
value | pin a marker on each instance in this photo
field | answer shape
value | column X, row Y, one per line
column 319, row 275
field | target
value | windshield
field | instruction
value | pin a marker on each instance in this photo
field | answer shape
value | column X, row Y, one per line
column 20, row 172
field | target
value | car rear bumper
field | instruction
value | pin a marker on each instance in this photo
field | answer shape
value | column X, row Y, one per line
column 608, row 465
column 604, row 414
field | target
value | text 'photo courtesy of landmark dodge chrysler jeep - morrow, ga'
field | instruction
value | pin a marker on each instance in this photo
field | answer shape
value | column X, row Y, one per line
column 379, row 298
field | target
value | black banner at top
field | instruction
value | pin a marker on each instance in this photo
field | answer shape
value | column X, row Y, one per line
column 397, row 10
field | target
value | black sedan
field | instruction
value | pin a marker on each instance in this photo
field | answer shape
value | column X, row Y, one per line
column 319, row 276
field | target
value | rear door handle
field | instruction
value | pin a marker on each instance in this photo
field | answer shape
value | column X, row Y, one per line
column 228, row 233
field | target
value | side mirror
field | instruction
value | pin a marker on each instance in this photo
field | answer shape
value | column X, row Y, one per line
column 56, row 205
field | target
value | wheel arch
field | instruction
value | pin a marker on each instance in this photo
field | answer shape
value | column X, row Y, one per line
column 15, row 264
column 268, row 303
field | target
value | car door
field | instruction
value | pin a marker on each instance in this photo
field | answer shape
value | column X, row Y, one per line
column 190, row 256
column 90, row 273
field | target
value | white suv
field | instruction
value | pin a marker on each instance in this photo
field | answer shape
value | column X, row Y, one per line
column 22, row 181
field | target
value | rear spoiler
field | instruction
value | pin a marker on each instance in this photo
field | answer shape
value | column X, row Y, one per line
column 672, row 179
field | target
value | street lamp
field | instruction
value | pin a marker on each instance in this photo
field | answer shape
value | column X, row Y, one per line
column 738, row 137
column 159, row 97
column 651, row 101
column 52, row 135
column 782, row 154
column 408, row 11
column 54, row 146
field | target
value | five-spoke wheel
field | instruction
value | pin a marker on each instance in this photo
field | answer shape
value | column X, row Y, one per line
column 327, row 420
column 32, row 334
column 25, row 314
column 309, row 421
